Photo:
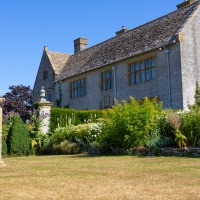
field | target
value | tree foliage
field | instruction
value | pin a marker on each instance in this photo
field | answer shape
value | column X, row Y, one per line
column 18, row 100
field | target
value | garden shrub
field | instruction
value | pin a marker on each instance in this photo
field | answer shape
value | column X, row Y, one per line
column 65, row 147
column 191, row 127
column 38, row 139
column 164, row 127
column 175, row 122
column 60, row 134
column 165, row 142
column 129, row 124
column 18, row 140
column 155, row 140
column 60, row 117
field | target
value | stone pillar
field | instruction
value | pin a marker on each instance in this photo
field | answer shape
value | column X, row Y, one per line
column 1, row 161
column 44, row 112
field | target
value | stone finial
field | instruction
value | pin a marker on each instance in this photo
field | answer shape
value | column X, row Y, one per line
column 42, row 94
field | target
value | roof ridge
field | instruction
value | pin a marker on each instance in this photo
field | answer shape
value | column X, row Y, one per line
column 59, row 52
column 146, row 37
column 187, row 17
column 137, row 27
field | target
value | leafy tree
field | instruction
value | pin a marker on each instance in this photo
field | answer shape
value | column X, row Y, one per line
column 18, row 100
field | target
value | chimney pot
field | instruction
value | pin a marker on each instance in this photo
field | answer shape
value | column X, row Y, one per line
column 123, row 30
column 185, row 3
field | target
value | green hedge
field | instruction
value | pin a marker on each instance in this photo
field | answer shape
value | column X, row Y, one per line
column 61, row 116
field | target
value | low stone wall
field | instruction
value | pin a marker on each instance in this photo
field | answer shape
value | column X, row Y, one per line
column 186, row 151
column 143, row 151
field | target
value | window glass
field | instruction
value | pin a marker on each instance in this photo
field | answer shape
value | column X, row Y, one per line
column 110, row 73
column 131, row 67
column 142, row 64
column 142, row 71
column 147, row 63
column 153, row 73
column 106, row 82
column 137, row 66
column 78, row 88
column 153, row 62
column 45, row 75
column 107, row 75
column 132, row 79
column 137, row 77
column 142, row 76
column 148, row 75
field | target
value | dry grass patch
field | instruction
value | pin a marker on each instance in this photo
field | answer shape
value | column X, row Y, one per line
column 115, row 177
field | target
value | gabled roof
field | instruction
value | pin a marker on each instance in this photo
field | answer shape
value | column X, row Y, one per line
column 149, row 36
column 58, row 60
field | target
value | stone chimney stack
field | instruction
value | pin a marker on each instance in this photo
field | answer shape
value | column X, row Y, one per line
column 80, row 44
column 123, row 30
column 185, row 3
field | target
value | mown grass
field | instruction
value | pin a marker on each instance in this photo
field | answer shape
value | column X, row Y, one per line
column 103, row 177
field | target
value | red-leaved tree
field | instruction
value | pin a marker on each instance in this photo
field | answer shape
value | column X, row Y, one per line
column 18, row 100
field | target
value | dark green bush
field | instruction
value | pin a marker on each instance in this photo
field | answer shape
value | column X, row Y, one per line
column 18, row 140
column 61, row 116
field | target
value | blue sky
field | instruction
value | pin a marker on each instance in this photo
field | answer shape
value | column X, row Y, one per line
column 27, row 26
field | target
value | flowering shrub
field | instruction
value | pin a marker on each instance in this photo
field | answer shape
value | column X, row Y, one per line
column 94, row 134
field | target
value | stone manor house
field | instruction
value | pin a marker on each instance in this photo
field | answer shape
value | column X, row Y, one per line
column 158, row 59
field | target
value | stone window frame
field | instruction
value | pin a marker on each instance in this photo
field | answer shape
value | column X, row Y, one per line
column 138, row 74
column 106, row 83
column 79, row 89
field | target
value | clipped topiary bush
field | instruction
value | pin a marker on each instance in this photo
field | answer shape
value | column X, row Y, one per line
column 18, row 140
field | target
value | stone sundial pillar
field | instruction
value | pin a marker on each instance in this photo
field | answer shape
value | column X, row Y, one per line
column 44, row 111
column 1, row 161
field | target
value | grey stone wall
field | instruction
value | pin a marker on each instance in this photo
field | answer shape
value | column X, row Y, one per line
column 94, row 96
column 159, row 87
column 190, row 57
column 45, row 65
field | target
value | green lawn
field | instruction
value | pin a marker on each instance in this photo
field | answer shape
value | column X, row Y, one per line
column 104, row 177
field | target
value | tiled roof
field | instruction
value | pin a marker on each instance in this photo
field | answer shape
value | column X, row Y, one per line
column 144, row 38
column 58, row 60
